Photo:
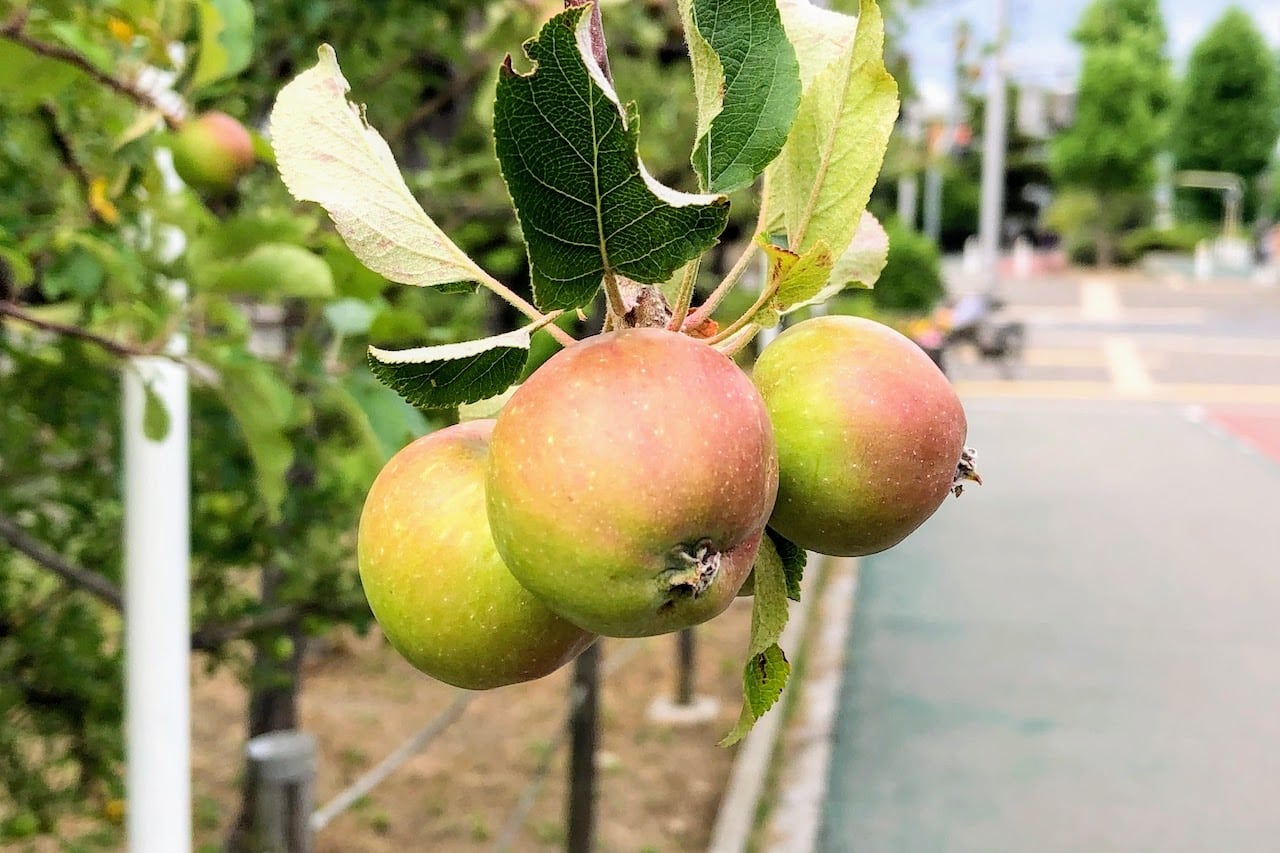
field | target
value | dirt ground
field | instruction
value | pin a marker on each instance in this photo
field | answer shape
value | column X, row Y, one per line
column 659, row 787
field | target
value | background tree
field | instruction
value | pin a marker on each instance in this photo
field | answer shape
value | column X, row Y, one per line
column 1228, row 113
column 1109, row 151
column 288, row 425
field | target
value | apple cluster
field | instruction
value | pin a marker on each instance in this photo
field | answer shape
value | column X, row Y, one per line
column 625, row 487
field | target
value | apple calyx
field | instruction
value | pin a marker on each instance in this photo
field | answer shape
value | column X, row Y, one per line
column 966, row 472
column 691, row 569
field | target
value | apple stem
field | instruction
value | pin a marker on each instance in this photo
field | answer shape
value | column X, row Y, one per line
column 524, row 307
column 766, row 293
column 684, row 296
column 734, row 344
column 713, row 300
column 615, row 307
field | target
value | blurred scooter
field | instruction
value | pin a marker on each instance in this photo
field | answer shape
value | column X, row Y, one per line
column 975, row 319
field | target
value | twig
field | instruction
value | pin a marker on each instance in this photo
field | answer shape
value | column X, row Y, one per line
column 42, row 554
column 112, row 346
column 14, row 30
column 366, row 783
column 431, row 106
column 209, row 637
column 708, row 307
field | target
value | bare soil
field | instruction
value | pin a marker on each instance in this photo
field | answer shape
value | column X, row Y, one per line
column 659, row 787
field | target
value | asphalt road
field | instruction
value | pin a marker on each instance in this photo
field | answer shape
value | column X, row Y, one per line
column 1084, row 653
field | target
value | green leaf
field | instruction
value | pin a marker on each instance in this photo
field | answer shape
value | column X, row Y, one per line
column 823, row 35
column 27, row 80
column 273, row 270
column 442, row 377
column 485, row 409
column 823, row 179
column 747, row 81
column 328, row 154
column 864, row 260
column 263, row 406
column 793, row 561
column 859, row 266
column 392, row 421
column 766, row 670
column 155, row 417
column 226, row 40
column 587, row 206
column 797, row 277
column 350, row 316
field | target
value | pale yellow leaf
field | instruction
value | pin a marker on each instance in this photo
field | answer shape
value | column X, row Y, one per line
column 327, row 153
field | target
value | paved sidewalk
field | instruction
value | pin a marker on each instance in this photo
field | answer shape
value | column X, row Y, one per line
column 1082, row 655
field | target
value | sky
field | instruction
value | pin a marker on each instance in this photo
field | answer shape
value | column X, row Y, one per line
column 1040, row 46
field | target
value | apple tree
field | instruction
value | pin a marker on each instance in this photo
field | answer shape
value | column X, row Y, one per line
column 629, row 480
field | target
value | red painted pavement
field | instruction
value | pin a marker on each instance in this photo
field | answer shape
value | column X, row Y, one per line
column 1258, row 427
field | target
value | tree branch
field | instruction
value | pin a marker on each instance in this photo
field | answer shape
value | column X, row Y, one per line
column 209, row 637
column 36, row 550
column 112, row 346
column 15, row 31
column 62, row 144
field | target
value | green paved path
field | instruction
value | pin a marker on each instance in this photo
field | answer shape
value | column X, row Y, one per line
column 1082, row 655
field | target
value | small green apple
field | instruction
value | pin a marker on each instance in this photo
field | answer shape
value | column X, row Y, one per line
column 870, row 434
column 629, row 480
column 212, row 151
column 435, row 581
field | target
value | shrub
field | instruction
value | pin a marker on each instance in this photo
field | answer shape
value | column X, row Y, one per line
column 912, row 279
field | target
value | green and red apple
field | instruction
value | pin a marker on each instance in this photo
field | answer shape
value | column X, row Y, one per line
column 870, row 434
column 434, row 579
column 212, row 152
column 629, row 481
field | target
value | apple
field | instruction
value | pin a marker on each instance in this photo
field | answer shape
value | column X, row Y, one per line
column 434, row 580
column 629, row 481
column 870, row 434
column 212, row 151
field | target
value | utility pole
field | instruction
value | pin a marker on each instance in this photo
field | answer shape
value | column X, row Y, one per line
column 993, row 150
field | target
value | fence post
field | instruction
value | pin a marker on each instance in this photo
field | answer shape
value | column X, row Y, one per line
column 583, row 732
column 685, row 650
column 283, row 765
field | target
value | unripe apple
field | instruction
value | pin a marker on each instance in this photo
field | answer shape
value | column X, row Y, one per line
column 434, row 580
column 629, row 481
column 212, row 151
column 869, row 431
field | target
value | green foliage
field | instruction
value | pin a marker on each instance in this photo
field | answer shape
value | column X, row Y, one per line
column 1121, row 105
column 1111, row 147
column 288, row 426
column 585, row 206
column 1182, row 238
column 1228, row 112
column 912, row 278
column 766, row 670
column 1139, row 26
column 748, row 87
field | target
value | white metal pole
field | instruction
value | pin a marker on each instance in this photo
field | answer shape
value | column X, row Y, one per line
column 157, row 632
column 157, row 617
column 993, row 151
